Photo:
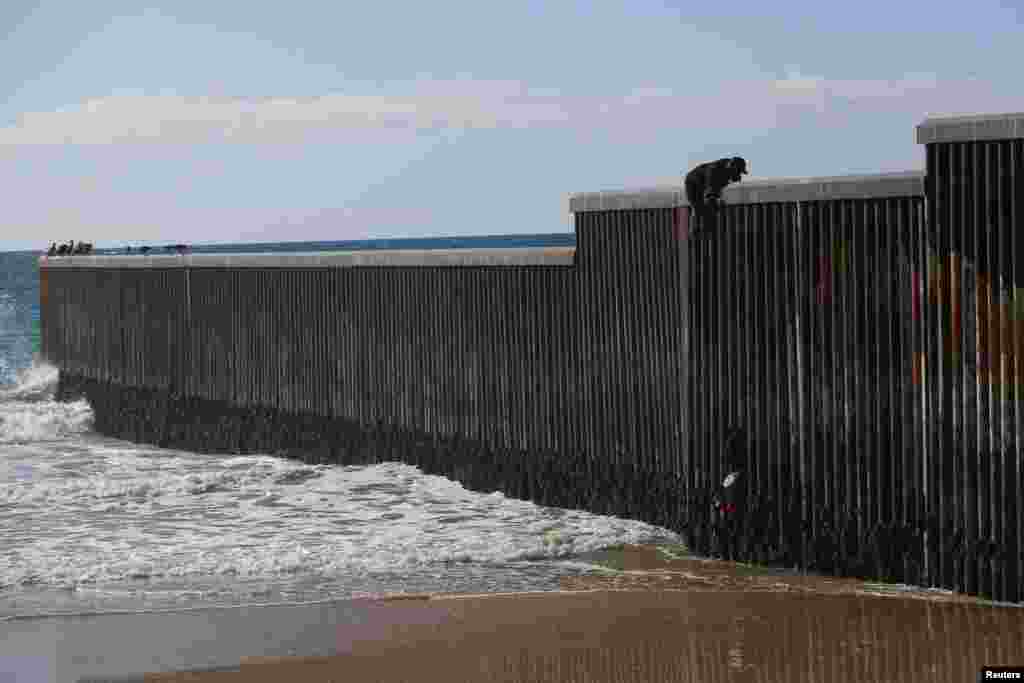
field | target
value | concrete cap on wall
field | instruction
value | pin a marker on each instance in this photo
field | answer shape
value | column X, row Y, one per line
column 970, row 128
column 523, row 256
column 901, row 184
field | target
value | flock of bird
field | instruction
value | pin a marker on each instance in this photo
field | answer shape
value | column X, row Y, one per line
column 83, row 248
column 70, row 249
column 178, row 248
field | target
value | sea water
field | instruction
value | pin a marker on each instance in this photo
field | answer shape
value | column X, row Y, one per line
column 93, row 524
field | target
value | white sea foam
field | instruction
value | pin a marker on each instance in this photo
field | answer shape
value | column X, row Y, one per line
column 128, row 513
column 99, row 519
column 28, row 412
column 42, row 421
column 37, row 382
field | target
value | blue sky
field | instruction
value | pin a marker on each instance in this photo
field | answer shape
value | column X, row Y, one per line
column 184, row 121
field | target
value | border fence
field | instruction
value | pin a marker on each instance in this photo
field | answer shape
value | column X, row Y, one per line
column 861, row 331
column 975, row 335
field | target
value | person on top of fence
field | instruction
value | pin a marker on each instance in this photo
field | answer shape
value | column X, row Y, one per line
column 704, row 185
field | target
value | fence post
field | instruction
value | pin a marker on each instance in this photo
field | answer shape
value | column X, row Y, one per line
column 682, row 217
column 803, row 436
column 927, row 373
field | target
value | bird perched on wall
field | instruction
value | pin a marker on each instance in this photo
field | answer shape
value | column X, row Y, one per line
column 53, row 250
column 704, row 185
column 144, row 250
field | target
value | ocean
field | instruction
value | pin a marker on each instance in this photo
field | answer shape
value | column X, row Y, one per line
column 90, row 524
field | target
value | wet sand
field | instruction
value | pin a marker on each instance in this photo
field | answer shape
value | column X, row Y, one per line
column 661, row 619
column 667, row 636
column 664, row 568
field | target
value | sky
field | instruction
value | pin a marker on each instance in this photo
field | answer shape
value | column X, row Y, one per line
column 127, row 122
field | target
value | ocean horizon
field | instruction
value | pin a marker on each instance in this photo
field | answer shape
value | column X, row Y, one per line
column 555, row 239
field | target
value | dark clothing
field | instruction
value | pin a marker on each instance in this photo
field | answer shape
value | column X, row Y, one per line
column 746, row 512
column 704, row 185
column 695, row 195
column 730, row 499
column 730, row 514
column 729, row 505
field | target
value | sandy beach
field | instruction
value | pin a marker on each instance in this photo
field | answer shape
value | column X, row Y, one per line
column 651, row 617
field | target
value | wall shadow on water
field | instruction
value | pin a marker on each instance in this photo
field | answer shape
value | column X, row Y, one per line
column 565, row 479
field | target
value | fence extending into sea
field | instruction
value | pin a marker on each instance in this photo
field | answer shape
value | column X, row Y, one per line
column 866, row 334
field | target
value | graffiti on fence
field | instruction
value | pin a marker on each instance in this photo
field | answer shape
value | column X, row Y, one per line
column 983, row 315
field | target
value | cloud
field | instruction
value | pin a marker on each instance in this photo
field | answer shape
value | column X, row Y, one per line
column 489, row 105
column 795, row 82
column 906, row 89
column 164, row 118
